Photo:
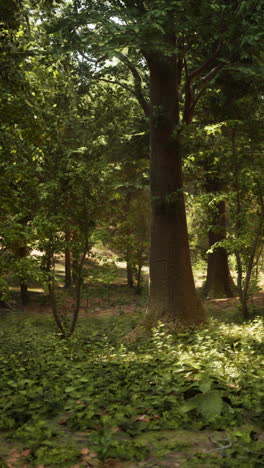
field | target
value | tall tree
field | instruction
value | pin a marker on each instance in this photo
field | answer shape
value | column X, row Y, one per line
column 181, row 45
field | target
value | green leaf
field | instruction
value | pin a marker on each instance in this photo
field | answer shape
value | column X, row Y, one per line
column 70, row 389
column 205, row 385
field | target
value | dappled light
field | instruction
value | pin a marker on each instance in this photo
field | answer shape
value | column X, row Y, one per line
column 131, row 234
column 117, row 397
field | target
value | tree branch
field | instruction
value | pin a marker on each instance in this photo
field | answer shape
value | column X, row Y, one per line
column 127, row 88
column 201, row 87
column 210, row 75
column 138, row 92
column 198, row 71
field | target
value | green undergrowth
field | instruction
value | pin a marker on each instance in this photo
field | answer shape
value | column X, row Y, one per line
column 153, row 398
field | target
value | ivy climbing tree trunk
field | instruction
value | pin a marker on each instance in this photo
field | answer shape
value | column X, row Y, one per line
column 173, row 296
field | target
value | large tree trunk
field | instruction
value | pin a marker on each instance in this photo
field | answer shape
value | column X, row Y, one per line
column 218, row 282
column 173, row 297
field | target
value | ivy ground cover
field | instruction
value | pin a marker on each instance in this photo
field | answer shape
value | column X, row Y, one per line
column 193, row 399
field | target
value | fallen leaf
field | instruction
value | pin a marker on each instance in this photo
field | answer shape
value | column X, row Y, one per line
column 116, row 429
column 15, row 453
column 143, row 417
column 85, row 451
column 26, row 452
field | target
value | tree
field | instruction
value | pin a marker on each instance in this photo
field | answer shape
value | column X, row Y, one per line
column 235, row 100
column 125, row 224
column 52, row 162
column 183, row 46
column 207, row 167
column 232, row 101
column 125, row 219
column 18, row 181
column 248, row 205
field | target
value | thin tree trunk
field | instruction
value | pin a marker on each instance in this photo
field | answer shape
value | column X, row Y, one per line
column 139, row 276
column 250, row 266
column 24, row 294
column 54, row 309
column 173, row 297
column 78, row 283
column 243, row 286
column 68, row 276
column 47, row 263
column 245, row 309
column 130, row 279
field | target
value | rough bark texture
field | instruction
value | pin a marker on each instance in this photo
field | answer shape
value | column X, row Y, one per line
column 218, row 282
column 173, row 297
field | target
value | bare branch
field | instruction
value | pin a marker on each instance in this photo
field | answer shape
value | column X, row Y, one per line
column 211, row 60
column 188, row 106
column 127, row 88
column 210, row 75
column 186, row 69
column 138, row 92
column 89, row 59
column 201, row 87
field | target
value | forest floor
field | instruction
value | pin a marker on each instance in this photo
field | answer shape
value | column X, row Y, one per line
column 191, row 400
column 107, row 294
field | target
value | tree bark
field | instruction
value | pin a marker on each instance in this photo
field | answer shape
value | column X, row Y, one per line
column 173, row 296
column 130, row 280
column 53, row 303
column 78, row 284
column 24, row 294
column 68, row 276
column 139, row 277
column 218, row 282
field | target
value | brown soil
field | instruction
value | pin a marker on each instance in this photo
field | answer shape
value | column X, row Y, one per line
column 106, row 307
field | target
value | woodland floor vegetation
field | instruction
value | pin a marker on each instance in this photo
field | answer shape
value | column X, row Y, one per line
column 191, row 399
